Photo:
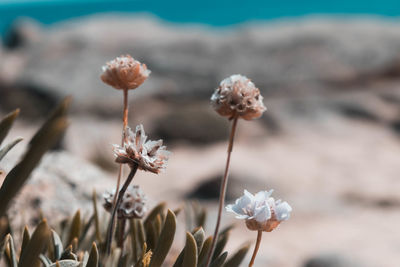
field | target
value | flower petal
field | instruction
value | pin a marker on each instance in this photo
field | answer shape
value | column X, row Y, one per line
column 262, row 214
column 282, row 211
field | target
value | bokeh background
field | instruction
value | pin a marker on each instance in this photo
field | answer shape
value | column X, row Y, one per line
column 329, row 143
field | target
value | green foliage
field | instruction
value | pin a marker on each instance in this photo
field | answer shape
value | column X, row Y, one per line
column 165, row 240
column 44, row 139
column 45, row 246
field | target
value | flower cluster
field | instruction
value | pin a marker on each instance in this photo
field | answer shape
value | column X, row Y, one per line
column 238, row 96
column 149, row 155
column 124, row 72
column 132, row 205
column 260, row 211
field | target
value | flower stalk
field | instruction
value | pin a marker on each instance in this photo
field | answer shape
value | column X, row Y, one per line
column 223, row 190
column 119, row 200
column 125, row 124
column 258, row 242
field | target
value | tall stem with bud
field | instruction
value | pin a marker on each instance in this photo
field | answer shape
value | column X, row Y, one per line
column 223, row 190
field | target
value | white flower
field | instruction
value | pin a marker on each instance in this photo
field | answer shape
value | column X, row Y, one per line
column 124, row 72
column 260, row 211
column 149, row 155
column 238, row 96
column 132, row 205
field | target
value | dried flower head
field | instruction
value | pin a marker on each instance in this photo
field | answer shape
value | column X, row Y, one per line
column 260, row 211
column 238, row 96
column 132, row 205
column 124, row 72
column 149, row 155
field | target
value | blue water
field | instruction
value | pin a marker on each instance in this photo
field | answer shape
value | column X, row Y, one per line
column 209, row 12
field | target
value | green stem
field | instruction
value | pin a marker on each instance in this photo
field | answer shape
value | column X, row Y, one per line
column 223, row 191
column 259, row 235
column 117, row 204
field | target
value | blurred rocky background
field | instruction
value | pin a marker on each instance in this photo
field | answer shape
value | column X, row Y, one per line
column 329, row 143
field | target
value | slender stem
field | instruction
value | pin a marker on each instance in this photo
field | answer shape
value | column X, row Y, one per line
column 125, row 124
column 223, row 191
column 119, row 200
column 125, row 118
column 259, row 235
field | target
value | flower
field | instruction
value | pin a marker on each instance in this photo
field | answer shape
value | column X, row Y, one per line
column 124, row 72
column 149, row 155
column 260, row 211
column 238, row 96
column 132, row 205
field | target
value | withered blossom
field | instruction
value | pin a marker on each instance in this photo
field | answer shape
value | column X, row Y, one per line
column 133, row 203
column 260, row 211
column 149, row 155
column 237, row 96
column 124, row 72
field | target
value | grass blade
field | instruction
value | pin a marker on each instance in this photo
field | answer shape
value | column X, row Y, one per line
column 45, row 138
column 165, row 240
column 39, row 240
column 6, row 124
column 190, row 256
column 8, row 147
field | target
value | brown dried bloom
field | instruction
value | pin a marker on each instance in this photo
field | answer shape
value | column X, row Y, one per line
column 238, row 96
column 149, row 155
column 124, row 72
column 132, row 205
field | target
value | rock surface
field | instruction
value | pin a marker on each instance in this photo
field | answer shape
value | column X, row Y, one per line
column 60, row 178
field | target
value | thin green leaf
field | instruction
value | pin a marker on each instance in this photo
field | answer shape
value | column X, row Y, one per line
column 134, row 241
column 45, row 261
column 179, row 259
column 165, row 240
column 8, row 147
column 150, row 226
column 86, row 228
column 96, row 217
column 190, row 256
column 6, row 124
column 39, row 240
column 93, row 260
column 218, row 262
column 221, row 242
column 57, row 245
column 46, row 137
column 75, row 228
column 154, row 212
column 238, row 257
column 204, row 251
column 199, row 236
column 26, row 237
column 151, row 236
column 10, row 252
column 59, row 112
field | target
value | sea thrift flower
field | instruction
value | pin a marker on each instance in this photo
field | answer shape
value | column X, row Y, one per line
column 132, row 205
column 238, row 96
column 149, row 155
column 260, row 211
column 124, row 72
